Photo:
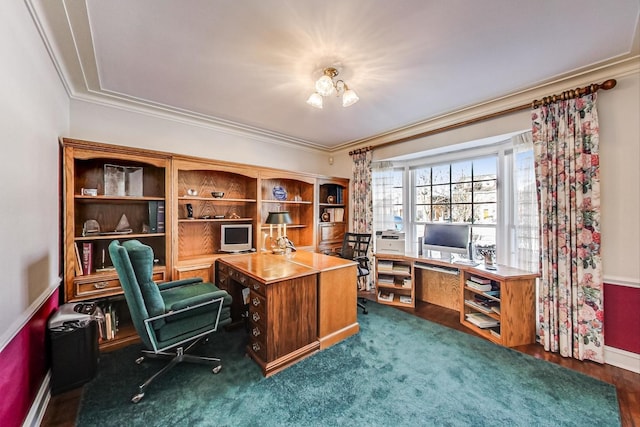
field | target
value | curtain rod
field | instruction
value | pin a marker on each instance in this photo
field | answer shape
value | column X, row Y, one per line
column 360, row 150
column 594, row 87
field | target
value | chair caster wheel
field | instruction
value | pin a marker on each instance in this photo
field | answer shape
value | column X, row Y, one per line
column 139, row 360
column 216, row 369
column 137, row 398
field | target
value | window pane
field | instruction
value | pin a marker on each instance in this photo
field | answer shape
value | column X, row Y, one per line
column 461, row 213
column 484, row 191
column 461, row 193
column 483, row 238
column 441, row 213
column 423, row 176
column 423, row 213
column 396, row 196
column 485, row 168
column 423, row 195
column 440, row 193
column 485, row 213
column 441, row 174
column 461, row 172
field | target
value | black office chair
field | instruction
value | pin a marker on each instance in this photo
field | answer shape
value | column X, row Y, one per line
column 355, row 246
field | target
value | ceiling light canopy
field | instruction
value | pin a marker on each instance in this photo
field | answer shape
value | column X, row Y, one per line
column 325, row 86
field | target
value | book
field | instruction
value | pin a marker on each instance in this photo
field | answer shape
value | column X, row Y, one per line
column 495, row 331
column 405, row 299
column 153, row 216
column 161, row 216
column 385, row 296
column 87, row 258
column 339, row 214
column 480, row 280
column 385, row 265
column 478, row 286
column 482, row 320
column 496, row 309
column 493, row 294
column 78, row 263
column 406, row 283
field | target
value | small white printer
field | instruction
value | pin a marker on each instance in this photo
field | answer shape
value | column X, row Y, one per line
column 390, row 242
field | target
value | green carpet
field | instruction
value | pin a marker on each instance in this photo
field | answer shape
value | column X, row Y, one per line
column 400, row 370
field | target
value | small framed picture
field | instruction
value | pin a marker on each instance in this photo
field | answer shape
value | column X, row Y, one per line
column 89, row 191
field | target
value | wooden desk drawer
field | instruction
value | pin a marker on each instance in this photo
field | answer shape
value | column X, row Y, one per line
column 95, row 286
column 257, row 303
column 259, row 347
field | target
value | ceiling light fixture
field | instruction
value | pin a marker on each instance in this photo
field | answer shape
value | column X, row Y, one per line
column 325, row 86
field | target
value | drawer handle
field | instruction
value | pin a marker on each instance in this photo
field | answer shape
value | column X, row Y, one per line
column 256, row 286
column 256, row 332
column 255, row 346
column 256, row 301
column 100, row 285
column 243, row 279
column 255, row 317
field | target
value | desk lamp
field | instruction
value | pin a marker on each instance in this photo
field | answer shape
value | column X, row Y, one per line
column 281, row 218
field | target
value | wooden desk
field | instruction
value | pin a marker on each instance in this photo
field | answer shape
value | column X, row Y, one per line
column 444, row 283
column 292, row 303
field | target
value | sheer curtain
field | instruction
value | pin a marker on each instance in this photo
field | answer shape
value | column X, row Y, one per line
column 525, row 253
column 566, row 146
column 383, row 181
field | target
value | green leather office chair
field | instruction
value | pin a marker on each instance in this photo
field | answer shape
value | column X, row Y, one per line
column 170, row 316
column 355, row 246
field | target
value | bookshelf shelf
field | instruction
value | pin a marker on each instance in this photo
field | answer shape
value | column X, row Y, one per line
column 395, row 281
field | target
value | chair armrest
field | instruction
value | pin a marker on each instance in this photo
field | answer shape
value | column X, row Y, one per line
column 176, row 283
column 198, row 299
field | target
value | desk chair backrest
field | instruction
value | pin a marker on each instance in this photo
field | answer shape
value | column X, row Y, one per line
column 134, row 264
column 355, row 246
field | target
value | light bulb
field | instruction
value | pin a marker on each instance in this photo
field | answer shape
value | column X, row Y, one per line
column 349, row 98
column 324, row 86
column 315, row 100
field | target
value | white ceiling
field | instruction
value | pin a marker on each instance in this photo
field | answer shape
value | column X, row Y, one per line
column 252, row 64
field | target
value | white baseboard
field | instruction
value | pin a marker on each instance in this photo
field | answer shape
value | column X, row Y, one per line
column 622, row 359
column 39, row 406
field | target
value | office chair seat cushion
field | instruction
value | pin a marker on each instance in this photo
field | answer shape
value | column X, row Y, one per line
column 186, row 327
column 363, row 271
column 190, row 295
column 141, row 257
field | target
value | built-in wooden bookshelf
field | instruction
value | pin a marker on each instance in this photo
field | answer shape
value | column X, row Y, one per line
column 333, row 214
column 115, row 192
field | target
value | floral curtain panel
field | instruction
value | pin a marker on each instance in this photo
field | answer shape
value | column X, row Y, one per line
column 361, row 194
column 565, row 138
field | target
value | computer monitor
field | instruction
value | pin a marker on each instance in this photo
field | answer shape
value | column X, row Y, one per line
column 447, row 238
column 236, row 237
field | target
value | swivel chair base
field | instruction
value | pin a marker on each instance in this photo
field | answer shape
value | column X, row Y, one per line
column 174, row 358
column 362, row 305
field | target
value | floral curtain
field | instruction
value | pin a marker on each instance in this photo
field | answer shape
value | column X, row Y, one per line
column 565, row 138
column 362, row 201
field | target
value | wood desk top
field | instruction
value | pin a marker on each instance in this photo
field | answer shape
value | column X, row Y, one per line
column 269, row 268
column 319, row 261
column 501, row 272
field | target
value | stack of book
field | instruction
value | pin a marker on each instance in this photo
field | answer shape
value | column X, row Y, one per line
column 385, row 266
column 401, row 268
column 385, row 296
column 385, row 279
column 479, row 283
column 406, row 282
column 482, row 320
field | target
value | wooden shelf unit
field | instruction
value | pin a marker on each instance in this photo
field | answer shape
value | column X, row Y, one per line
column 188, row 247
column 333, row 194
column 395, row 275
column 516, row 305
column 83, row 166
column 196, row 238
column 297, row 197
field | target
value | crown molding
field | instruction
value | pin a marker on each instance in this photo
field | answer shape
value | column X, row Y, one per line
column 615, row 69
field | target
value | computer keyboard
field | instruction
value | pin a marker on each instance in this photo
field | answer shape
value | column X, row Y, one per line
column 468, row 262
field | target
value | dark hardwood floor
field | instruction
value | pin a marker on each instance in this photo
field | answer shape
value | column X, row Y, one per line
column 63, row 408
